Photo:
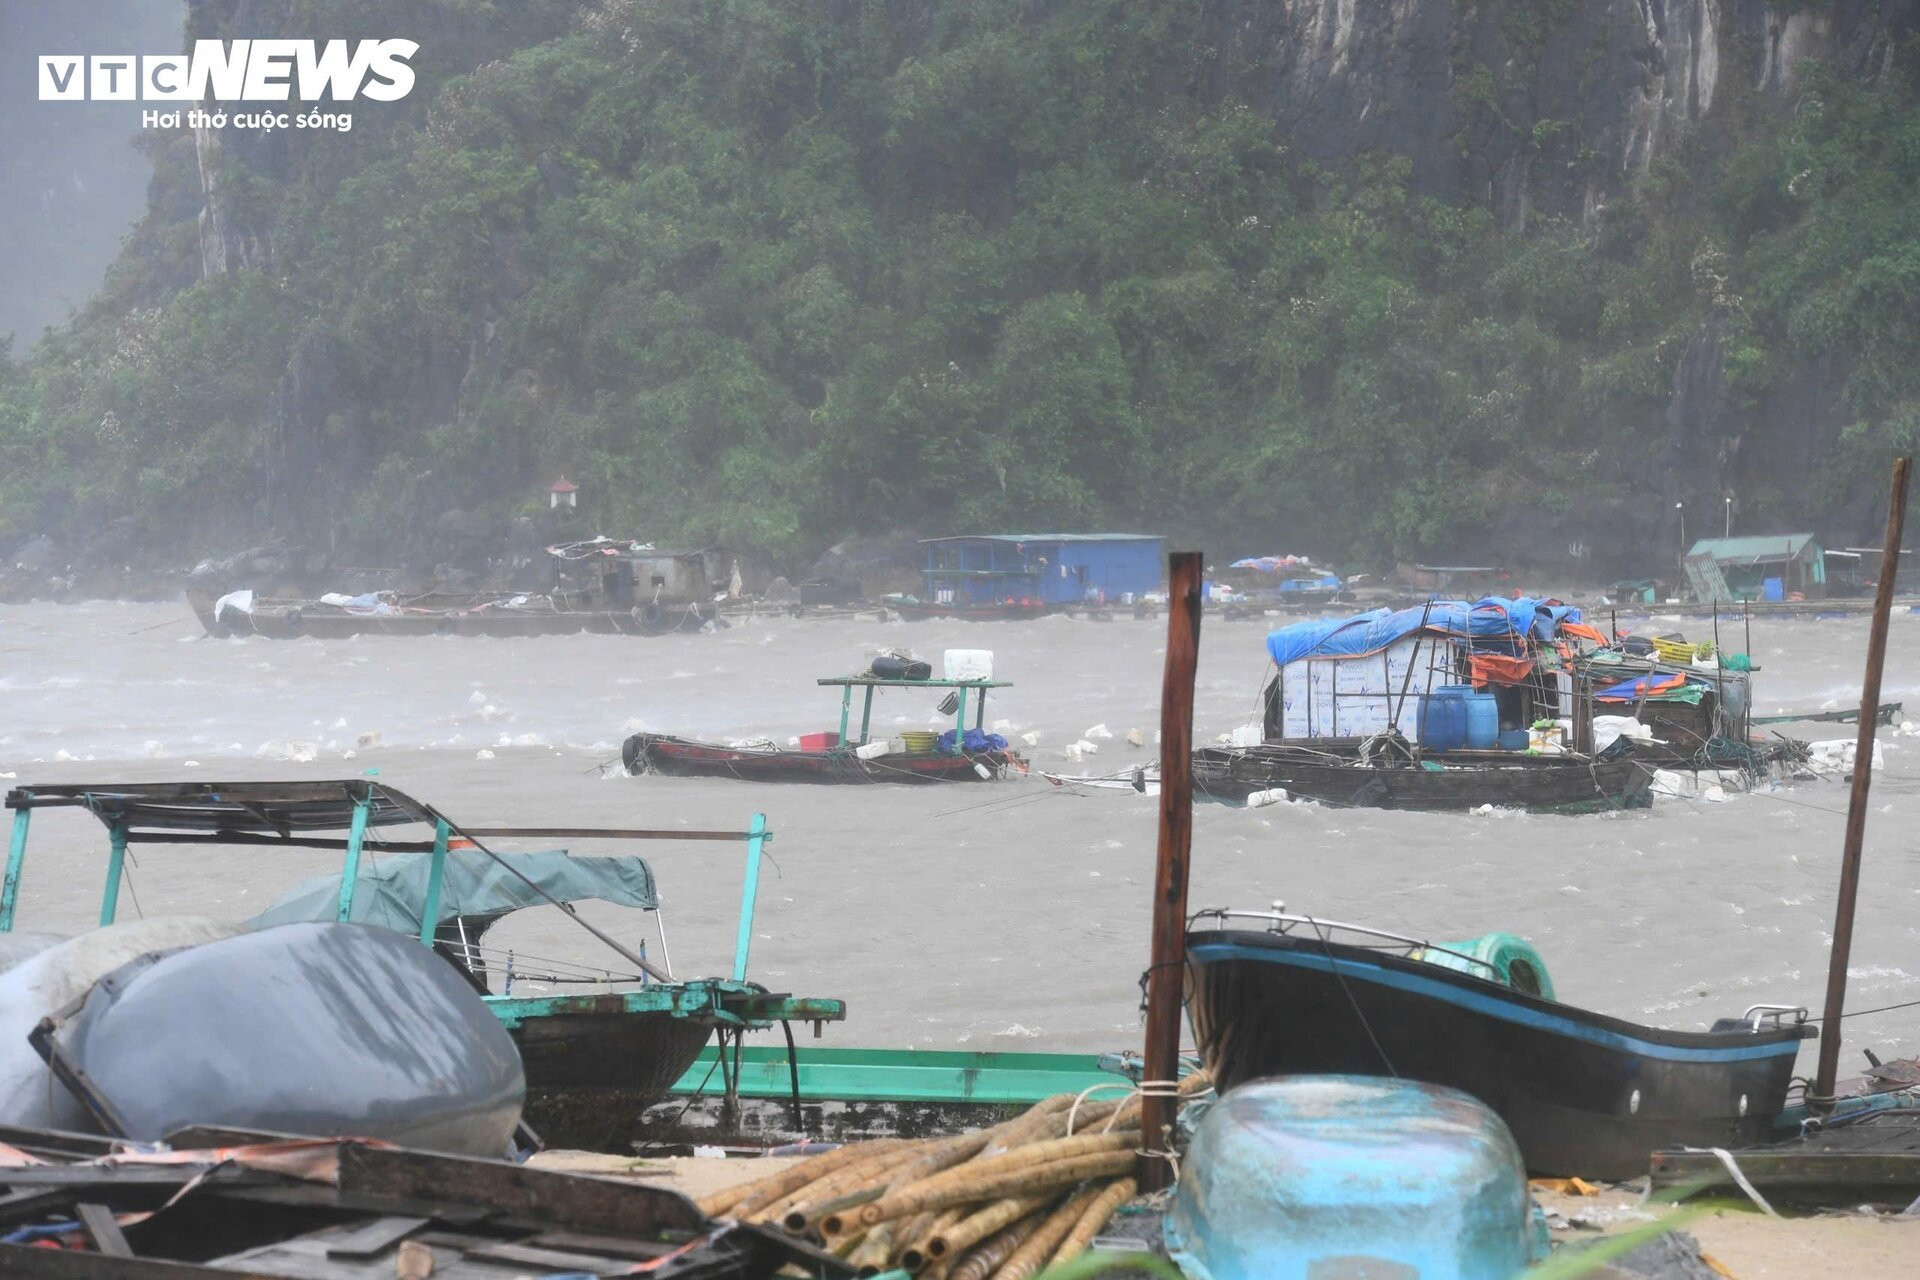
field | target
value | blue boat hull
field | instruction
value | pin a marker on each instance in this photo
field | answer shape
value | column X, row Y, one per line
column 1584, row 1094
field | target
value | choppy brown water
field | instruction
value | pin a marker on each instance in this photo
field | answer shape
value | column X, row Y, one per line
column 981, row 916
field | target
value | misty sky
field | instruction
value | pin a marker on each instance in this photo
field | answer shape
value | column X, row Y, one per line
column 71, row 182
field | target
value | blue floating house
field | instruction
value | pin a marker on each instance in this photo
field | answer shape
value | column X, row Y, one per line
column 1040, row 571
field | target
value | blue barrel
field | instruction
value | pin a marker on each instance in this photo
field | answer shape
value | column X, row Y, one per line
column 1483, row 721
column 1443, row 717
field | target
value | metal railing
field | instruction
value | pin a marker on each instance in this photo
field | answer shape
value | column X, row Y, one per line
column 1281, row 922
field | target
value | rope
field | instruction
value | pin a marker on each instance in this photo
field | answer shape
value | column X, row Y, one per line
column 1155, row 1089
column 1739, row 1179
column 1365, row 1026
column 1073, row 1112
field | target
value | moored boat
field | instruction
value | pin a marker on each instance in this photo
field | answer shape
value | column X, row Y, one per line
column 913, row 609
column 1585, row 1094
column 502, row 615
column 1562, row 783
column 961, row 754
column 599, row 1043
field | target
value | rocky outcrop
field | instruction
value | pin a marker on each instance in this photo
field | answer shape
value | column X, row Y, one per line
column 1529, row 106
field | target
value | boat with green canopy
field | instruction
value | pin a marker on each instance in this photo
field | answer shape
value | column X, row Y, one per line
column 962, row 754
column 599, row 1042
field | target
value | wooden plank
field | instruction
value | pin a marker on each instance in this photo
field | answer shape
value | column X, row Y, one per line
column 22, row 1206
column 1860, row 1170
column 375, row 1238
column 530, row 1255
column 68, row 1264
column 103, row 1230
column 613, row 1246
column 537, row 1195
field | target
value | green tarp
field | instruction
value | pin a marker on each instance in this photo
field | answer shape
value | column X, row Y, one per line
column 392, row 891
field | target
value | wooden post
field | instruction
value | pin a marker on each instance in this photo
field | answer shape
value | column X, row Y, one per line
column 1166, row 976
column 1857, row 802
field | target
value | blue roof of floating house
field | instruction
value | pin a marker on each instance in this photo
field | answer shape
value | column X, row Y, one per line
column 1490, row 620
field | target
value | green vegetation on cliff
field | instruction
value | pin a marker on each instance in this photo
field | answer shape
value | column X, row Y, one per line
column 773, row 273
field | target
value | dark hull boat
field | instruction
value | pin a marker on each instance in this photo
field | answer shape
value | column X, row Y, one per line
column 1584, row 1094
column 598, row 1039
column 1542, row 784
column 680, row 758
column 590, row 1077
column 442, row 615
column 919, row 611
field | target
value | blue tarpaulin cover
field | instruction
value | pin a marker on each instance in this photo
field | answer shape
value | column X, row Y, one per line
column 974, row 743
column 1488, row 622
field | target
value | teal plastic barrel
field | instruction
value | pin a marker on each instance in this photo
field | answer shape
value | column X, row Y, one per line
column 1483, row 721
column 1443, row 717
column 1316, row 1177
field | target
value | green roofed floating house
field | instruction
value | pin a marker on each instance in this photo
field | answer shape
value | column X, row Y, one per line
column 1027, row 575
column 599, row 1041
column 1773, row 568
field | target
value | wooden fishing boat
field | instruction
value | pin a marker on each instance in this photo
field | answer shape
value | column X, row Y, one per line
column 911, row 609
column 970, row 755
column 599, row 1042
column 1585, row 1094
column 1457, row 780
column 1884, row 714
column 502, row 615
column 680, row 758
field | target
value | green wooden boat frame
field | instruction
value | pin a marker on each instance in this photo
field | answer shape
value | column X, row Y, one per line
column 288, row 815
column 903, row 1075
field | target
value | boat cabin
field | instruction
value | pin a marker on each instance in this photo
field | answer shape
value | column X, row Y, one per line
column 354, row 816
column 869, row 683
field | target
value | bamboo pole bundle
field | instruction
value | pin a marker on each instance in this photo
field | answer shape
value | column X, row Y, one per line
column 824, row 1215
column 944, row 1191
column 1027, row 1156
column 801, row 1210
column 971, row 1228
column 995, row 1204
column 1017, row 1130
column 1096, row 1216
column 875, row 1248
column 987, row 1258
column 1045, row 1238
column 919, row 1251
column 760, row 1192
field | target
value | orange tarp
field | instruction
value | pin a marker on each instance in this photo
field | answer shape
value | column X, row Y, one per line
column 1498, row 668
